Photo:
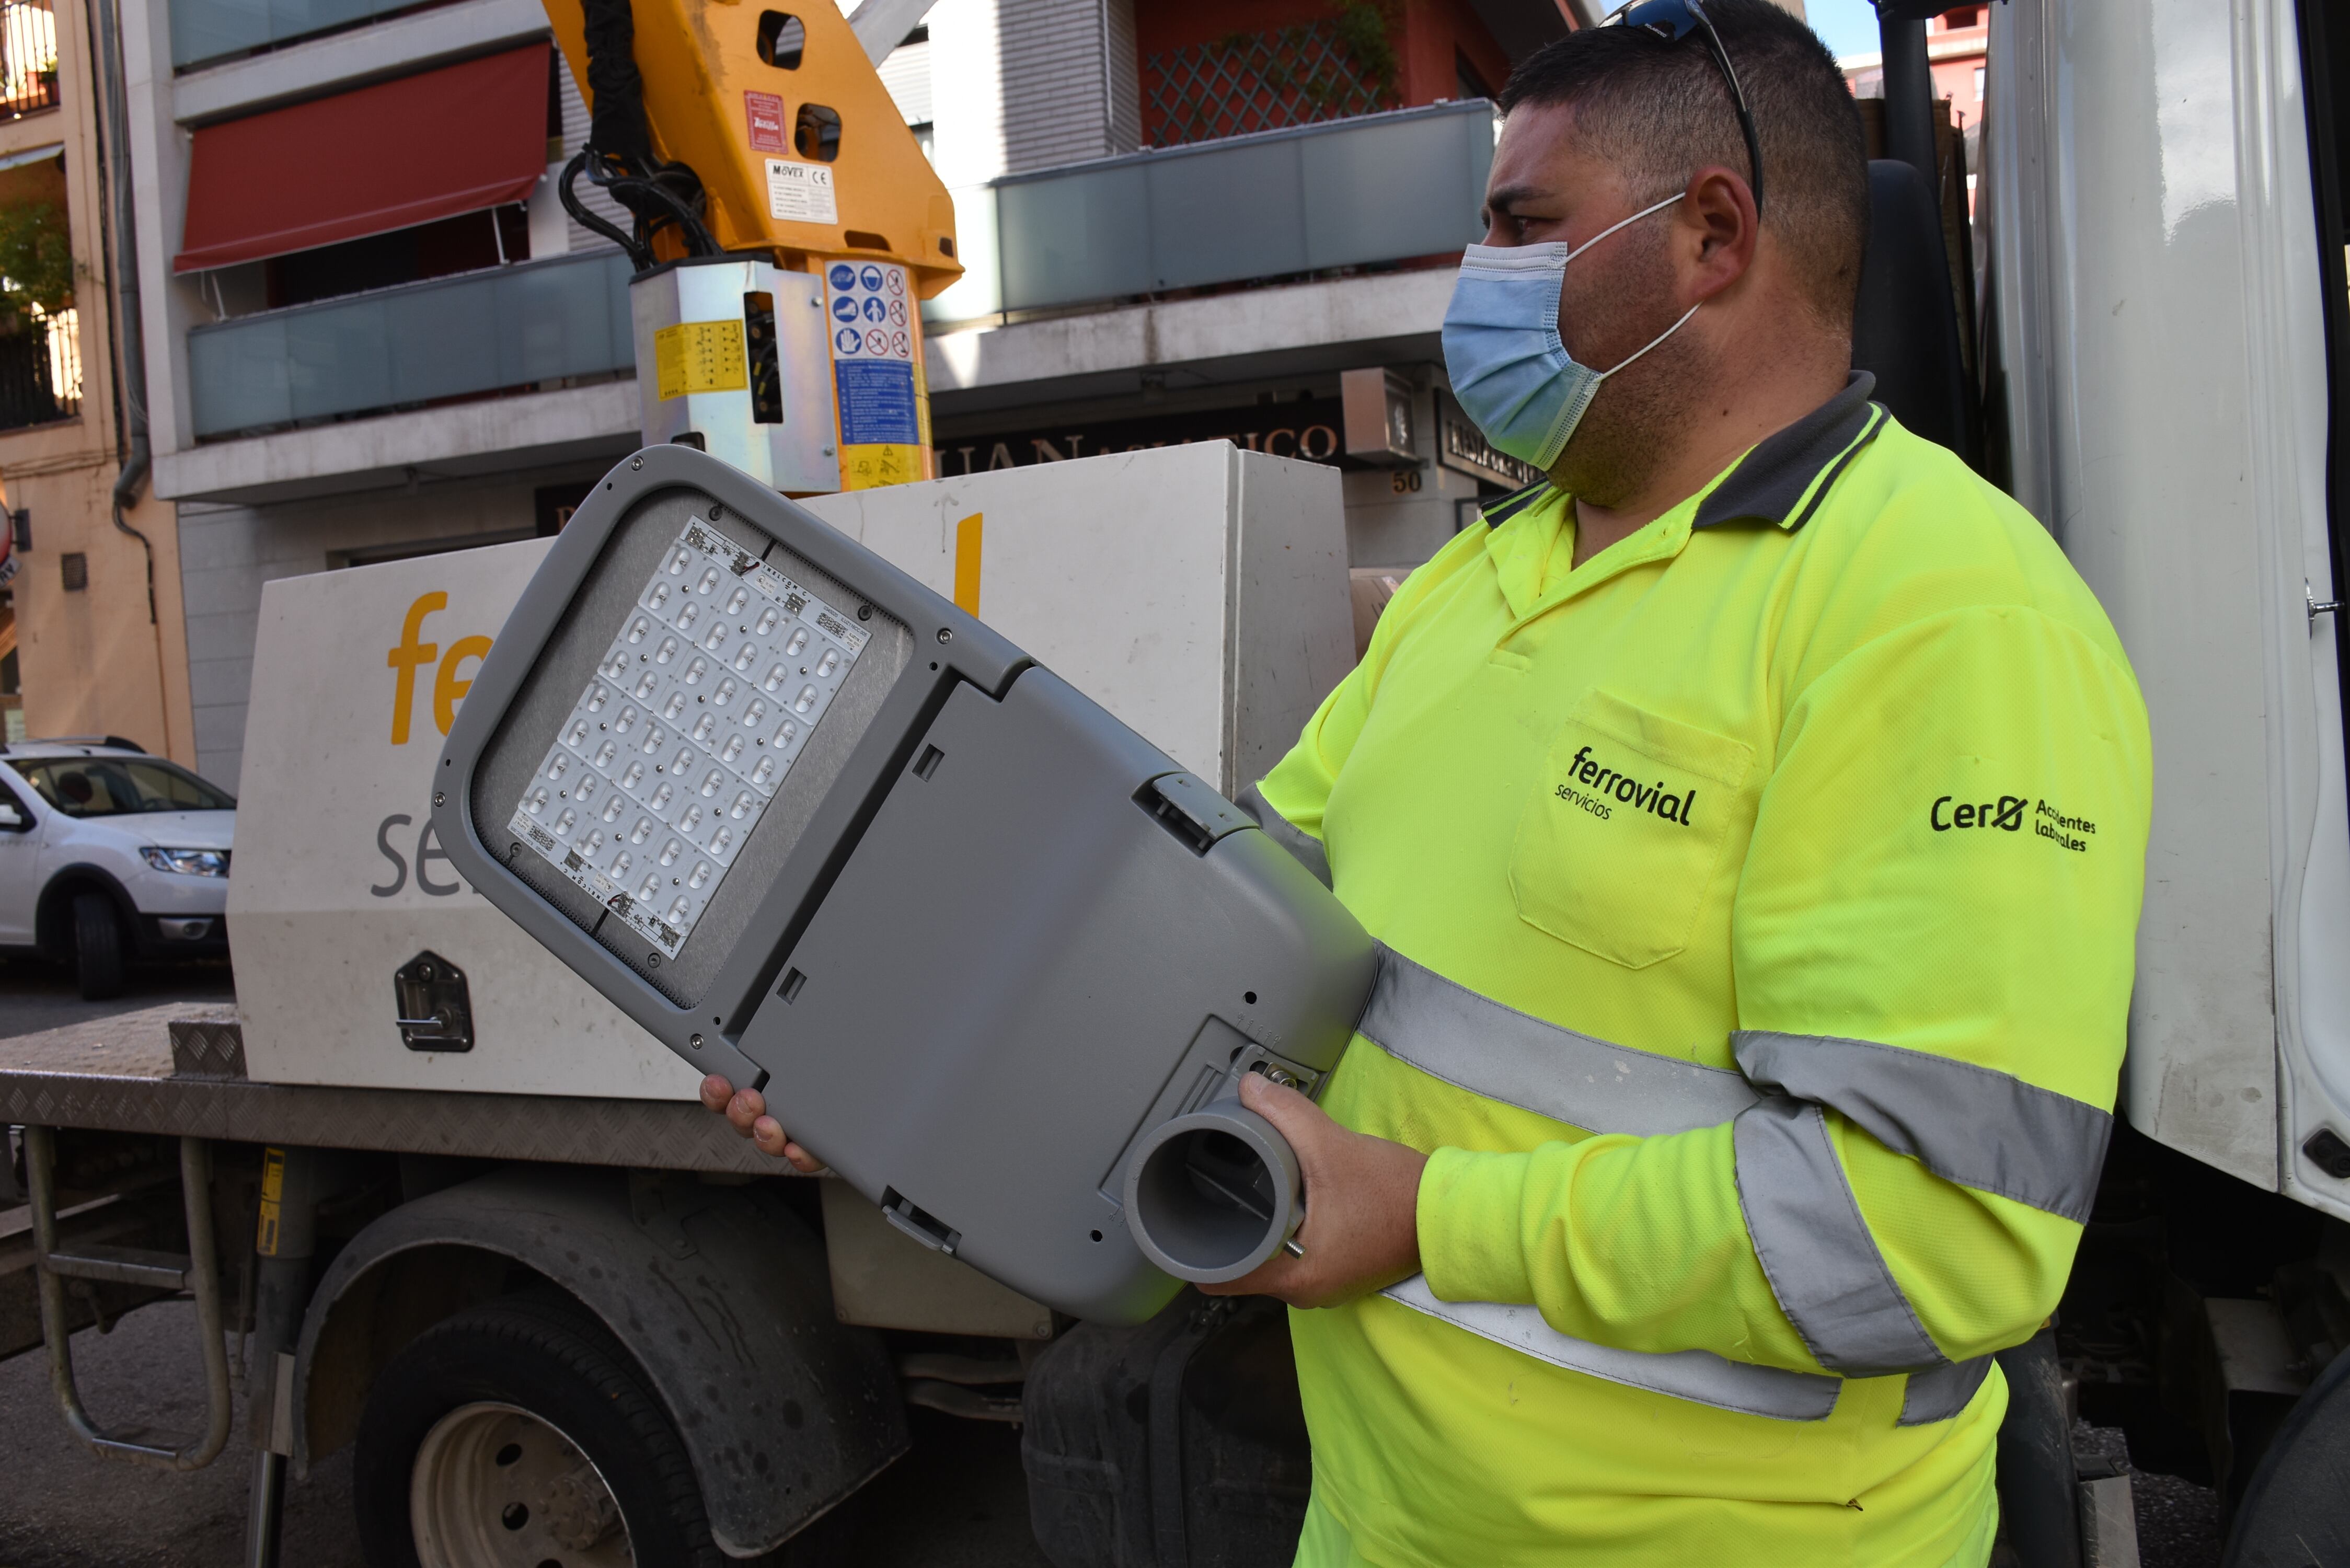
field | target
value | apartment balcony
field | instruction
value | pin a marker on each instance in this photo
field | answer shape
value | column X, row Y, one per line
column 509, row 329
column 207, row 30
column 1311, row 205
column 28, row 59
column 1304, row 202
column 40, row 369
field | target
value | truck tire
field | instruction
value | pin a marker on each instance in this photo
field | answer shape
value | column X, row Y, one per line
column 2296, row 1510
column 97, row 947
column 520, row 1432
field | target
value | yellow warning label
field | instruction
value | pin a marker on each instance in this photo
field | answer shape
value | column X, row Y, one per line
column 869, row 467
column 701, row 356
column 273, row 1194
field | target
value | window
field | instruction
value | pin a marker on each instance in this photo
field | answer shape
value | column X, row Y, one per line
column 119, row 786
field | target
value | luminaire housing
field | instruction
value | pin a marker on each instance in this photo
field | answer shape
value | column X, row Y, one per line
column 983, row 946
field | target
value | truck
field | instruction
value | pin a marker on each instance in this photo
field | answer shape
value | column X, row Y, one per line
column 417, row 1142
column 445, row 1197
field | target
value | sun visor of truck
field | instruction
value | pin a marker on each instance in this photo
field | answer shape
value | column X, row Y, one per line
column 418, row 147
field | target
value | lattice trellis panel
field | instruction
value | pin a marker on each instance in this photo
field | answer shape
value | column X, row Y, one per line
column 1254, row 81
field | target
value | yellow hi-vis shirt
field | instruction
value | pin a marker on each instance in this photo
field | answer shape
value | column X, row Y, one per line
column 1759, row 900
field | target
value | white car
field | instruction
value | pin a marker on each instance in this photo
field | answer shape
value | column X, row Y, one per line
column 109, row 855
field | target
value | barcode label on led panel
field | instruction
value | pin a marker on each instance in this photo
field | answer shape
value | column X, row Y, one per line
column 698, row 709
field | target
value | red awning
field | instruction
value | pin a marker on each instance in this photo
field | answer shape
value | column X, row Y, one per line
column 401, row 152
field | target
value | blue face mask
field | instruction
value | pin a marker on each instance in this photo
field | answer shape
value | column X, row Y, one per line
column 1510, row 370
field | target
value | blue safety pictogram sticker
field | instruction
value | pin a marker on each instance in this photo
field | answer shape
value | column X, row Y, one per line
column 876, row 401
column 871, row 278
column 847, row 340
column 875, row 311
column 843, row 275
column 844, row 307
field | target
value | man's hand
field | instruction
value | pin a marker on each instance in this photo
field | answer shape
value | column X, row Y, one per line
column 746, row 1112
column 1362, row 1207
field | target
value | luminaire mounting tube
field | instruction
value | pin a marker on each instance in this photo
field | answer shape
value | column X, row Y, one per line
column 983, row 946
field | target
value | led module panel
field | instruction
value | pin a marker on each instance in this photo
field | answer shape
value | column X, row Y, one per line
column 697, row 712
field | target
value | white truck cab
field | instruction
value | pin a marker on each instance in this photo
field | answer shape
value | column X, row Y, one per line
column 108, row 855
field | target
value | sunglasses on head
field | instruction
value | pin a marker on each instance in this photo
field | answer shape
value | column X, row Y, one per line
column 1673, row 20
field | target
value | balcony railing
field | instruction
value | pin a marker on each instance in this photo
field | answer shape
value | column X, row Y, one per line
column 511, row 328
column 1358, row 193
column 1281, row 204
column 204, row 30
column 40, row 371
column 28, row 58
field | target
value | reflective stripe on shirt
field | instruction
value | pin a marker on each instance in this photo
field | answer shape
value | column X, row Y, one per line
column 1814, row 1247
column 1973, row 1126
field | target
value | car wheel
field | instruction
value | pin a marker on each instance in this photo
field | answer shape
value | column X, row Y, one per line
column 98, row 946
column 520, row 1433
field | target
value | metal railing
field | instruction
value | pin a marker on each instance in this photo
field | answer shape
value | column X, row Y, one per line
column 1306, row 199
column 205, row 30
column 28, row 58
column 504, row 330
column 40, row 371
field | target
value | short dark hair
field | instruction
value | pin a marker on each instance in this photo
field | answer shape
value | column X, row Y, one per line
column 1661, row 111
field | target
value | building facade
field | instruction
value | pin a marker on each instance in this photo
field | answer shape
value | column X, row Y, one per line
column 372, row 331
column 91, row 634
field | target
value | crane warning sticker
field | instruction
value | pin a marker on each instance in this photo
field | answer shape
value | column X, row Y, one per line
column 800, row 193
column 700, row 357
column 766, row 112
column 875, row 336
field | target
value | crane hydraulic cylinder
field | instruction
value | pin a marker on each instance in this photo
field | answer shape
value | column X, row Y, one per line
column 995, row 957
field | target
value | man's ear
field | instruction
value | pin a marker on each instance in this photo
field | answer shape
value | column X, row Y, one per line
column 1719, row 206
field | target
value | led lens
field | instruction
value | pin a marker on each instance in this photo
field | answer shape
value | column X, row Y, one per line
column 708, row 619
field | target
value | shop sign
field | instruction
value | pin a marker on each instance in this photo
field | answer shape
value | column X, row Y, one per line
column 1306, row 428
column 1462, row 447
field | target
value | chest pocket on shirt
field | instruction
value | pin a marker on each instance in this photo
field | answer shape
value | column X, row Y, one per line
column 1624, row 831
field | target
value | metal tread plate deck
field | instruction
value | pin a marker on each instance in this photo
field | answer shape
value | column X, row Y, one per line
column 671, row 1135
column 167, row 1069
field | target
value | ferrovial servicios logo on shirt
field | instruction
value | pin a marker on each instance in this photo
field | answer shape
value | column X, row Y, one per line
column 420, row 667
column 1603, row 788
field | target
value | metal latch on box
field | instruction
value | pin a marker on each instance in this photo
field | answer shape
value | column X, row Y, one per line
column 436, row 1013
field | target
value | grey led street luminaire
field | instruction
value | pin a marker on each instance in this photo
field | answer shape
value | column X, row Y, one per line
column 995, row 958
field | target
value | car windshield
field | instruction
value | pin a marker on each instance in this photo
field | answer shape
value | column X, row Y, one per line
column 119, row 786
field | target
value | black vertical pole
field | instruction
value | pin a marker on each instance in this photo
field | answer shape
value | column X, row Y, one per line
column 1909, row 99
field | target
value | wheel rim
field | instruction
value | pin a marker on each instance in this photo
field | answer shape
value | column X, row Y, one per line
column 497, row 1487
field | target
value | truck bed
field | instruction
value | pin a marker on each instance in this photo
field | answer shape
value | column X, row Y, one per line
column 179, row 1069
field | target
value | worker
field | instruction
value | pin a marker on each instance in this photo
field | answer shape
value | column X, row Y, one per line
column 1753, row 814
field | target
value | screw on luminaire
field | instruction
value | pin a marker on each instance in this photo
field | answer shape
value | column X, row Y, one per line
column 716, row 512
column 695, row 1042
column 945, row 635
column 636, row 462
column 439, row 797
column 865, row 612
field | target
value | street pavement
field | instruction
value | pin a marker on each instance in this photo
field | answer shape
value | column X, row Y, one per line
column 37, row 996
